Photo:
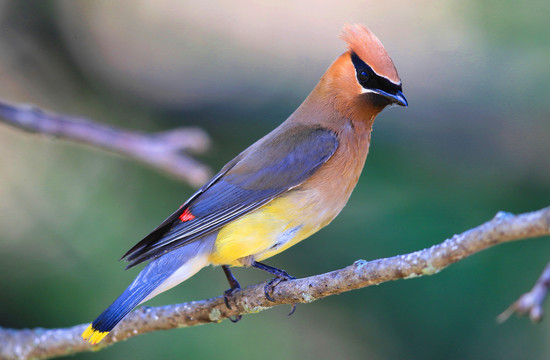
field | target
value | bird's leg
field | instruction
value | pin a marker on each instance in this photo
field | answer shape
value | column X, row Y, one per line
column 235, row 286
column 280, row 275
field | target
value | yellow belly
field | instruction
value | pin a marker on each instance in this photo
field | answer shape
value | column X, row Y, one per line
column 268, row 230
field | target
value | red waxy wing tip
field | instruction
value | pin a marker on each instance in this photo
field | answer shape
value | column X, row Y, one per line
column 186, row 216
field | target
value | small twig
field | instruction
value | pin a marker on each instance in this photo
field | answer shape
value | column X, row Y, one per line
column 43, row 343
column 530, row 302
column 164, row 150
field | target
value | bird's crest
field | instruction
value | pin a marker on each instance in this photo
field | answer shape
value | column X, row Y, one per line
column 368, row 47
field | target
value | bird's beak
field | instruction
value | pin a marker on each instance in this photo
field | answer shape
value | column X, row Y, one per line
column 400, row 99
column 397, row 98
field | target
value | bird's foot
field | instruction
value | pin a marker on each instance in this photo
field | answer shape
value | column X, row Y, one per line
column 280, row 276
column 227, row 294
column 268, row 289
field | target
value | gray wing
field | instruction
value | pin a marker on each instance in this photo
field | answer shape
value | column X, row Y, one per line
column 262, row 172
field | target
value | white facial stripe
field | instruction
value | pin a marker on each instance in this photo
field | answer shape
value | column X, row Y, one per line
column 393, row 82
column 365, row 91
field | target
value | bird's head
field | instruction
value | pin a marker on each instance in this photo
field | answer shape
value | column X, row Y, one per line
column 375, row 72
column 364, row 77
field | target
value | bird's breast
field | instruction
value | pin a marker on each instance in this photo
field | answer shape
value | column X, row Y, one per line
column 333, row 183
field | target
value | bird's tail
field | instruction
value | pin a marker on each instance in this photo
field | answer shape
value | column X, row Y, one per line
column 159, row 275
column 125, row 303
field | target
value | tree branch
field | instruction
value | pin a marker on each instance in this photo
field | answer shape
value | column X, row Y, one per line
column 504, row 227
column 164, row 150
column 531, row 302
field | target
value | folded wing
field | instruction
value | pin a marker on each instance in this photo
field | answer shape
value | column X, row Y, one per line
column 270, row 167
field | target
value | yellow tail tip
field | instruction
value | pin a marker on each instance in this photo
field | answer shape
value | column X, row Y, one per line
column 93, row 336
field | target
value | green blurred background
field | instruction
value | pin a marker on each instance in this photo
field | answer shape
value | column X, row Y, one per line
column 474, row 140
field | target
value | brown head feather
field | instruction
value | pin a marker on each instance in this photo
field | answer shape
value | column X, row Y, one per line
column 366, row 45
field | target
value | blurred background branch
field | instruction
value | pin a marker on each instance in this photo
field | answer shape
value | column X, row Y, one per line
column 504, row 227
column 531, row 302
column 164, row 150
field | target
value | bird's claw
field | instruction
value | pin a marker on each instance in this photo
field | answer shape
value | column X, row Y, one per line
column 229, row 293
column 226, row 295
column 236, row 319
column 280, row 275
column 292, row 310
column 268, row 288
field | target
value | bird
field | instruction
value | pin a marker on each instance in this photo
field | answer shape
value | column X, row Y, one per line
column 283, row 188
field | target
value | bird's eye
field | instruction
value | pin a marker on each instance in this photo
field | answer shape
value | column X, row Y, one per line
column 363, row 76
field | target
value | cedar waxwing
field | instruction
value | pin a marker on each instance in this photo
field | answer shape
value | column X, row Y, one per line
column 283, row 188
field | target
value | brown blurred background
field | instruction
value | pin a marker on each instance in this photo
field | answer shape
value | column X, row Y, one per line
column 474, row 140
